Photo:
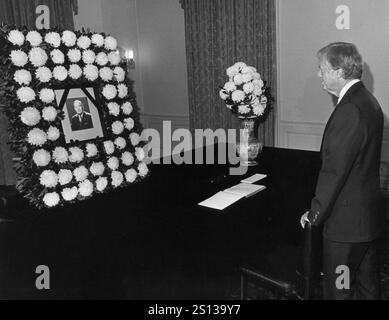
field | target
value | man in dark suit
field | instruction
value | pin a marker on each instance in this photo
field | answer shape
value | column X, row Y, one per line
column 347, row 199
column 81, row 120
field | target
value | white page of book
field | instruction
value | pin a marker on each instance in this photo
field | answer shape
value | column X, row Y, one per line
column 221, row 200
column 254, row 178
column 245, row 189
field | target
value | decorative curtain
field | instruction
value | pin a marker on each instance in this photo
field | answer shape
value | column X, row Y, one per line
column 22, row 13
column 218, row 34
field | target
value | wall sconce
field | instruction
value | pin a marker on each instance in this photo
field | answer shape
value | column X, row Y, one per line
column 129, row 55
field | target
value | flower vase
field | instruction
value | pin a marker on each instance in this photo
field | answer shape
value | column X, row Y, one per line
column 249, row 146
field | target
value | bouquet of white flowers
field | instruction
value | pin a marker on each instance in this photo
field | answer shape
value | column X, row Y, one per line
column 244, row 93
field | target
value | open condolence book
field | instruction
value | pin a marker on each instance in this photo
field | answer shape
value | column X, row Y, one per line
column 225, row 198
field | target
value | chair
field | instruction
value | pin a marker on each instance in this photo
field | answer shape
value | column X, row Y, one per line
column 287, row 271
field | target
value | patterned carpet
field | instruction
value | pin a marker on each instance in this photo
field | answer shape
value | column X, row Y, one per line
column 257, row 293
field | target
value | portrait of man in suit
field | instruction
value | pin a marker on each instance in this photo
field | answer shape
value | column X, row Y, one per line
column 347, row 201
column 81, row 119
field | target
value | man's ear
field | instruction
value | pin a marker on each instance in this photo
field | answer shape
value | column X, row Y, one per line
column 340, row 73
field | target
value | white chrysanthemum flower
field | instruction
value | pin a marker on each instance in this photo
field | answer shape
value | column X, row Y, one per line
column 51, row 199
column 256, row 76
column 131, row 175
column 244, row 109
column 101, row 183
column 238, row 79
column 69, row 194
column 74, row 55
column 258, row 110
column 25, row 94
column 114, row 58
column 91, row 72
column 232, row 71
column 60, row 155
column 75, row 71
column 34, row 38
column 257, row 91
column 85, row 188
column 46, row 95
column 18, row 58
column 129, row 123
column 106, row 74
column 122, row 90
column 37, row 56
column 109, row 91
column 98, row 40
column 91, row 150
column 16, row 37
column 49, row 113
column 222, row 94
column 30, row 116
column 120, row 142
column 102, row 59
column 127, row 108
column 113, row 163
column 60, row 73
column 237, row 96
column 83, row 42
column 230, row 86
column 69, row 38
column 139, row 153
column 247, row 77
column 22, row 77
column 53, row 38
column 110, row 43
column 247, row 69
column 127, row 158
column 109, row 147
column 113, row 108
column 135, row 139
column 119, row 74
column 57, row 56
column 36, row 137
column 76, row 154
column 53, row 133
column 248, row 87
column 41, row 157
column 142, row 169
column 88, row 56
column 97, row 168
column 258, row 83
column 117, row 127
column 43, row 74
column 48, row 178
column 117, row 178
column 80, row 173
column 65, row 176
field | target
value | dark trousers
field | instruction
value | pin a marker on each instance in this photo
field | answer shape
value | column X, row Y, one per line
column 350, row 263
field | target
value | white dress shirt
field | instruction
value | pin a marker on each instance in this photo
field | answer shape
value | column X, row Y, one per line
column 346, row 88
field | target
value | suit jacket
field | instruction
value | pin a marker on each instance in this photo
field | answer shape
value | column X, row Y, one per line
column 348, row 196
column 85, row 123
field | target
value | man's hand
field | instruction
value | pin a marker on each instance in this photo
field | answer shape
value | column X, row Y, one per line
column 304, row 219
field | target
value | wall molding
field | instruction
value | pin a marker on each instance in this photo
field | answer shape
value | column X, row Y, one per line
column 300, row 135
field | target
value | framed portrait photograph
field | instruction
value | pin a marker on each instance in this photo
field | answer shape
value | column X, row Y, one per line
column 83, row 118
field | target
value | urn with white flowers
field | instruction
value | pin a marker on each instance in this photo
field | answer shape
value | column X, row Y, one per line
column 247, row 97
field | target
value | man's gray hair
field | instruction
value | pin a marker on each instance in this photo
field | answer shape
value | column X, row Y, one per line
column 345, row 56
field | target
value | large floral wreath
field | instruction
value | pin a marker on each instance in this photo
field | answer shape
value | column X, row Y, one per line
column 50, row 171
